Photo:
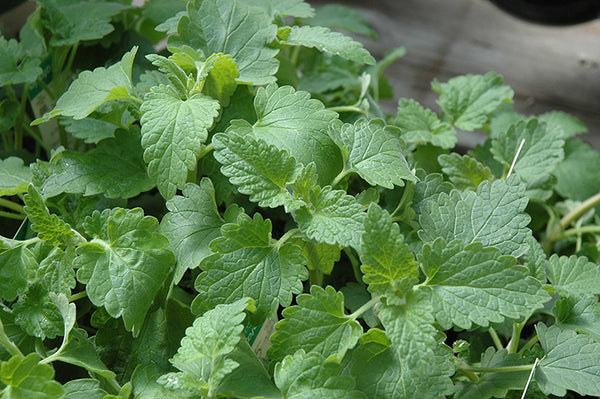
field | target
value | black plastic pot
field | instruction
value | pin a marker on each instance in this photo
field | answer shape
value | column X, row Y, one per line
column 552, row 12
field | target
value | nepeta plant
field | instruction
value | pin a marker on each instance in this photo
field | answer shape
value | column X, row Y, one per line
column 236, row 216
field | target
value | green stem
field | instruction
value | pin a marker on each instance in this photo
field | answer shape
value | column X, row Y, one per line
column 372, row 302
column 72, row 53
column 79, row 295
column 513, row 344
column 316, row 277
column 355, row 264
column 10, row 215
column 579, row 230
column 407, row 196
column 495, row 338
column 7, row 343
column 470, row 375
column 18, row 144
column 287, row 236
column 46, row 88
column 347, row 108
column 506, row 369
column 340, row 176
column 11, row 205
column 534, row 340
column 205, row 150
column 570, row 218
column 34, row 133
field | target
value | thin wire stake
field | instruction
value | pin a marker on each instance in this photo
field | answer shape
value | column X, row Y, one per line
column 530, row 377
column 515, row 159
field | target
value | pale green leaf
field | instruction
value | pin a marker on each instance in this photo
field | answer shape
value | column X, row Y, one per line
column 310, row 375
column 493, row 215
column 17, row 268
column 331, row 216
column 256, row 168
column 576, row 174
column 93, row 88
column 80, row 351
column 571, row 362
column 174, row 72
column 568, row 125
column 323, row 39
column 49, row 227
column 285, row 8
column 540, row 154
column 465, row 172
column 14, row 176
column 573, row 275
column 317, row 323
column 388, row 266
column 37, row 315
column 173, row 131
column 467, row 101
column 247, row 262
column 83, row 388
column 15, row 65
column 320, row 256
column 419, row 125
column 192, row 222
column 494, row 385
column 338, row 16
column 25, row 378
column 579, row 314
column 125, row 265
column 233, row 28
column 89, row 129
column 474, row 284
column 115, row 168
column 292, row 121
column 418, row 345
column 374, row 151
column 221, row 82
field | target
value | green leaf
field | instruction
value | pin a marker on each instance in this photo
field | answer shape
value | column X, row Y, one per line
column 233, row 28
column 573, row 275
column 567, row 124
column 114, row 168
column 73, row 22
column 15, row 65
column 541, row 153
column 125, row 266
column 37, row 315
column 56, row 273
column 493, row 215
column 418, row 346
column 14, row 176
column 49, row 227
column 495, row 385
column 317, row 324
column 285, row 8
column 248, row 263
column 420, row 125
column 25, row 378
column 388, row 266
column 338, row 16
column 89, row 129
column 93, row 88
column 83, row 388
column 257, row 169
column 192, row 222
column 310, row 375
column 221, row 79
column 571, row 362
column 576, row 174
column 17, row 268
column 468, row 100
column 579, row 314
column 292, row 121
column 320, row 256
column 173, row 131
column 477, row 284
column 465, row 172
column 323, row 39
column 203, row 352
column 331, row 216
column 374, row 151
column 380, row 372
column 356, row 296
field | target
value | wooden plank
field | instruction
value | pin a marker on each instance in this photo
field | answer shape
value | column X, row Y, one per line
column 550, row 68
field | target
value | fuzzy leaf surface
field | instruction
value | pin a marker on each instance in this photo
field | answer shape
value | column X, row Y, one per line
column 24, row 377
column 579, row 314
column 15, row 65
column 468, row 100
column 338, row 16
column 192, row 222
column 465, row 172
column 37, row 315
column 256, row 168
column 323, row 39
column 493, row 215
column 581, row 161
column 285, row 8
column 475, row 284
column 420, row 125
column 125, row 264
column 571, row 362
column 173, row 131
column 17, row 268
column 374, row 151
column 573, row 275
column 14, row 176
column 317, row 323
column 248, row 263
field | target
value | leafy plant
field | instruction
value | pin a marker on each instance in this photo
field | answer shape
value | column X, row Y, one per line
column 190, row 198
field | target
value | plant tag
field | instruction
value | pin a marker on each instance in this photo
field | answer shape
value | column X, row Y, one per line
column 41, row 102
column 259, row 337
